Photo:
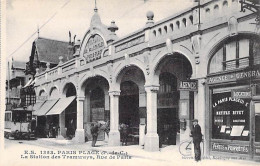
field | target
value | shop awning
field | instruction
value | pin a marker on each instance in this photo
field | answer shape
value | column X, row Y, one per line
column 47, row 105
column 28, row 83
column 61, row 105
column 37, row 105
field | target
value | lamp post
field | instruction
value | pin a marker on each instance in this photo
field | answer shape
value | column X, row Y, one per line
column 252, row 5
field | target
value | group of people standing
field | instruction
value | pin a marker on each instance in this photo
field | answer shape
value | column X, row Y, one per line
column 97, row 127
column 124, row 130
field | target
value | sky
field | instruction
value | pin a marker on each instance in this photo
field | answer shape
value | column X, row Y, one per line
column 55, row 18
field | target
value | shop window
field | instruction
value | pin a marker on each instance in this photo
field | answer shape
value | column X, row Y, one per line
column 230, row 117
column 235, row 54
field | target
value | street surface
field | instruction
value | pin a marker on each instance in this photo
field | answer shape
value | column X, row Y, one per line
column 63, row 152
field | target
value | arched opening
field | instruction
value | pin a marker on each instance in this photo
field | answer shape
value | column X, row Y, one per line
column 165, row 29
column 173, row 104
column 96, row 105
column 184, row 22
column 168, row 121
column 160, row 31
column 178, row 24
column 132, row 104
column 129, row 104
column 171, row 26
column 191, row 19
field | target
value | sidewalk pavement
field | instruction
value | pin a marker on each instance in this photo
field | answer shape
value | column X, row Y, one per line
column 169, row 154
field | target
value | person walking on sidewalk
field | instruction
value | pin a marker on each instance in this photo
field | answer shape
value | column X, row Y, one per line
column 197, row 138
column 94, row 133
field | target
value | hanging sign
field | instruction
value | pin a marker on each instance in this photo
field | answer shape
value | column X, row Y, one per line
column 188, row 85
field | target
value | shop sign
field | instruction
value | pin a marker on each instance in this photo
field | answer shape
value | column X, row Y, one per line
column 231, row 148
column 246, row 74
column 94, row 48
column 241, row 93
column 189, row 85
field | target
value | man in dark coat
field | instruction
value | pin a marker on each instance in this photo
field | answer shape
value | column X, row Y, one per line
column 94, row 133
column 124, row 133
column 197, row 138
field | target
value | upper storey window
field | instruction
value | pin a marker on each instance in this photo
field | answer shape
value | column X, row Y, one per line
column 235, row 54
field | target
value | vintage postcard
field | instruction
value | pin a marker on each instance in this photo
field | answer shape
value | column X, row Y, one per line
column 130, row 82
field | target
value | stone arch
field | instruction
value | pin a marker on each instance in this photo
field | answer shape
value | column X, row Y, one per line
column 84, row 80
column 176, row 49
column 119, row 73
column 42, row 90
column 65, row 87
column 51, row 89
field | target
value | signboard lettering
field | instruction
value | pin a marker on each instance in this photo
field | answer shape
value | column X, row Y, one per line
column 94, row 48
column 254, row 73
column 221, row 147
column 190, row 85
column 241, row 93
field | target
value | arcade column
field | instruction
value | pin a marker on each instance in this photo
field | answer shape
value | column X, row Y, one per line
column 114, row 135
column 80, row 134
column 184, row 115
column 151, row 137
column 200, row 111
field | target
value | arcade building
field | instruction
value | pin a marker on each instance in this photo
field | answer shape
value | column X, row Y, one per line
column 201, row 63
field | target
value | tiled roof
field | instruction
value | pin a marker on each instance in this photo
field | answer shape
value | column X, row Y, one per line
column 18, row 64
column 50, row 50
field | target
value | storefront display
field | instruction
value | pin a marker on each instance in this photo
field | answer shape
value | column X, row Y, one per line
column 230, row 117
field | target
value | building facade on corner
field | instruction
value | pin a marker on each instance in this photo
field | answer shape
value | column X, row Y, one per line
column 202, row 63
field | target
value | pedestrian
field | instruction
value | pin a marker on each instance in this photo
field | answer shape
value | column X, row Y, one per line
column 197, row 138
column 124, row 133
column 94, row 133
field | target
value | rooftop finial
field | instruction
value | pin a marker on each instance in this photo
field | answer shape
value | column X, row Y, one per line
column 95, row 9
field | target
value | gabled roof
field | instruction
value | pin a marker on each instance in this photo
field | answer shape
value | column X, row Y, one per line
column 50, row 50
column 18, row 64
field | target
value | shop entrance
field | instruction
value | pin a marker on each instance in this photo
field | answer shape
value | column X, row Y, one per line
column 167, row 112
column 129, row 110
column 97, row 106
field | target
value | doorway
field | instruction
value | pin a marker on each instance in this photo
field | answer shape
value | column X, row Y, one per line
column 129, row 110
column 167, row 112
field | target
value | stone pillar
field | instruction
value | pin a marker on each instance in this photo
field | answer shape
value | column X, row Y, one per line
column 80, row 134
column 151, row 137
column 62, row 133
column 114, row 135
column 184, row 113
column 199, row 112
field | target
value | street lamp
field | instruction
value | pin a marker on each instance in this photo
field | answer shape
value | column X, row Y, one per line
column 252, row 5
